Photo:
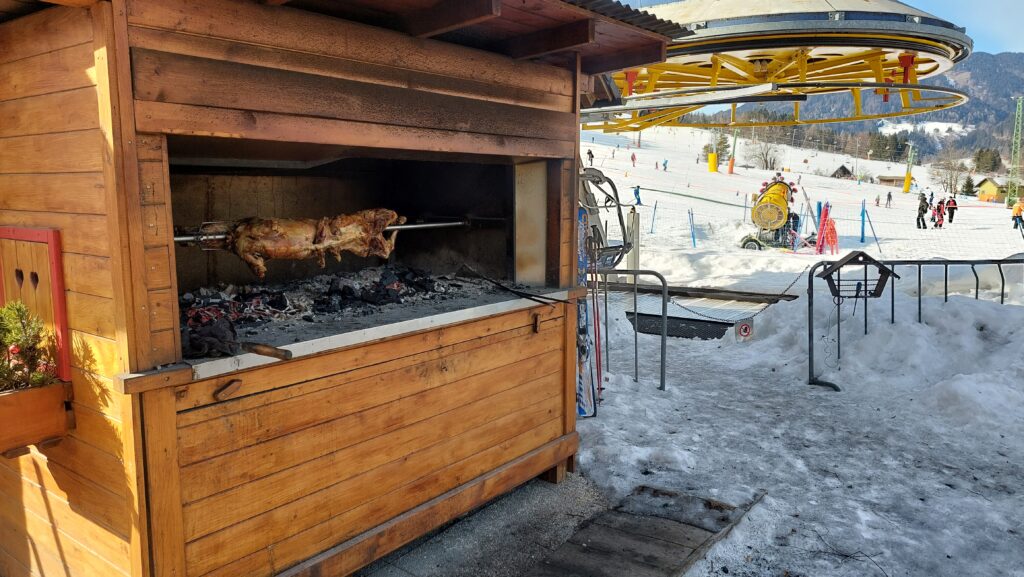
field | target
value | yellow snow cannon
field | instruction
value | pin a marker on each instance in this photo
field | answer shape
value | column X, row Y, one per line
column 771, row 209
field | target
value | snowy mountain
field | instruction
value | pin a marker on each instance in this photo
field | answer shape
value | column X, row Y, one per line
column 990, row 79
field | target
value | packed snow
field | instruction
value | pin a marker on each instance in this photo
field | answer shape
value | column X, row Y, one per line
column 914, row 468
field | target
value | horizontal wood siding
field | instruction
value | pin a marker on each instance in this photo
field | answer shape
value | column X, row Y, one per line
column 193, row 65
column 295, row 465
column 63, row 509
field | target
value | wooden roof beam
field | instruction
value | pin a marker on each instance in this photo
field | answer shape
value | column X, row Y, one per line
column 633, row 58
column 551, row 40
column 72, row 3
column 448, row 15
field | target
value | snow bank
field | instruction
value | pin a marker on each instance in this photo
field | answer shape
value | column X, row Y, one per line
column 915, row 466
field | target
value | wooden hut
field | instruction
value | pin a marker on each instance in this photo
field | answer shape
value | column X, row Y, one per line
column 122, row 121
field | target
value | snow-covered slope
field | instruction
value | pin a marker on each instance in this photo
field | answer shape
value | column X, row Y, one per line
column 979, row 230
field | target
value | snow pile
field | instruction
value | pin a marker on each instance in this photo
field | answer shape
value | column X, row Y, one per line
column 964, row 361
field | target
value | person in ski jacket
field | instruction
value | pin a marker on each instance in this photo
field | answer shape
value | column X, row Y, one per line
column 951, row 209
column 633, row 158
column 922, row 209
column 590, row 156
column 636, row 193
column 664, row 165
column 888, row 201
column 1018, row 211
column 940, row 213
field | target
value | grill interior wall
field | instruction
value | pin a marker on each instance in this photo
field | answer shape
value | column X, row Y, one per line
column 428, row 190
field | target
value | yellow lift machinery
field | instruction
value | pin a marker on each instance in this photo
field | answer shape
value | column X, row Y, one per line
column 733, row 53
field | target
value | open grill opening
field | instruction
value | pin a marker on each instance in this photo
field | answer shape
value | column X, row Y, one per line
column 455, row 237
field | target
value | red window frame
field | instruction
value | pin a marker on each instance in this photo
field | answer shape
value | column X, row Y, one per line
column 50, row 237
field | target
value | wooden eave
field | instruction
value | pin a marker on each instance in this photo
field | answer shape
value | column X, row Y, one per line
column 550, row 31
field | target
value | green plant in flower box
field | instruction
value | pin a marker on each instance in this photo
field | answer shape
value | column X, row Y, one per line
column 26, row 361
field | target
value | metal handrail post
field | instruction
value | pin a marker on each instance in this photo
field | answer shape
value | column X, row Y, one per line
column 811, row 380
column 865, row 299
column 664, row 311
column 892, row 299
column 607, row 346
column 977, row 282
column 1002, row 285
column 919, row 292
column 636, row 332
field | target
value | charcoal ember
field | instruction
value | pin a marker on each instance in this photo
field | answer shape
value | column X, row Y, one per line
column 213, row 340
column 329, row 304
column 381, row 295
column 278, row 301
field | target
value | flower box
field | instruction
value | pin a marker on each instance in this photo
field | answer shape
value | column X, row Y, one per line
column 34, row 416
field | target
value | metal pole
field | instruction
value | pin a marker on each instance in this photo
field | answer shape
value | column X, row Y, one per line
column 199, row 237
column 664, row 312
column 865, row 299
column 863, row 220
column 945, row 283
column 810, row 323
column 892, row 299
column 636, row 341
column 919, row 292
column 607, row 346
column 839, row 317
column 1002, row 285
column 977, row 282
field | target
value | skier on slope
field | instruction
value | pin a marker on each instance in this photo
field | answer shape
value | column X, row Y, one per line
column 922, row 209
column 951, row 209
column 636, row 193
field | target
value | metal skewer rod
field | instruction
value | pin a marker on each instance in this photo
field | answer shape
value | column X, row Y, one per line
column 188, row 238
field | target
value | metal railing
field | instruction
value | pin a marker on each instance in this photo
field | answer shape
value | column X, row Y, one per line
column 894, row 264
column 635, row 274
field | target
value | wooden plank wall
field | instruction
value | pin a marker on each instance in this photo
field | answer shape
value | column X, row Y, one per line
column 160, row 280
column 307, row 457
column 239, row 68
column 65, row 510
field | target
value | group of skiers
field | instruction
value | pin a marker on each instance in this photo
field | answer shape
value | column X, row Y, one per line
column 938, row 211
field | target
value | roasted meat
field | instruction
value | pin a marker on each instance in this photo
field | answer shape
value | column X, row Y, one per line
column 256, row 240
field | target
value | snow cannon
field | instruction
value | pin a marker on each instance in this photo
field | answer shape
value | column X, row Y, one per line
column 777, row 225
column 771, row 209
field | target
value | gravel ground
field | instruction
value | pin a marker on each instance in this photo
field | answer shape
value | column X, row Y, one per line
column 502, row 539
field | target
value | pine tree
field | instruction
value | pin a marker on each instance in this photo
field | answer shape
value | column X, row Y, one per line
column 968, row 188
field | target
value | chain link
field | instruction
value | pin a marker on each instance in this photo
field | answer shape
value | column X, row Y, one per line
column 730, row 321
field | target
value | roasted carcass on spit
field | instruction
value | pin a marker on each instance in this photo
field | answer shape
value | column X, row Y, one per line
column 257, row 240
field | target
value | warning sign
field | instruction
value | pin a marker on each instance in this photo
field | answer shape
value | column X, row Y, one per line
column 744, row 330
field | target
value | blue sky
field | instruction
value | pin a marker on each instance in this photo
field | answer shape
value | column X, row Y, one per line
column 995, row 25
